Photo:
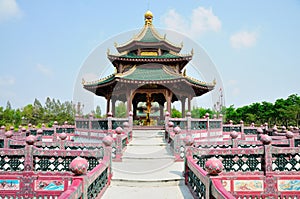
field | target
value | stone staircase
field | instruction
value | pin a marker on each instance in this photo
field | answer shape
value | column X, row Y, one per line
column 147, row 170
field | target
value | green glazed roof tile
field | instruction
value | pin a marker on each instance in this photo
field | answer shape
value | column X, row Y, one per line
column 150, row 74
column 149, row 37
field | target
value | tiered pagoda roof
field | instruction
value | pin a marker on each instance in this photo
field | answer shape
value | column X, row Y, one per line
column 148, row 58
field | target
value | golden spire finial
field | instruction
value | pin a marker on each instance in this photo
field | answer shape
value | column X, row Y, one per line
column 148, row 17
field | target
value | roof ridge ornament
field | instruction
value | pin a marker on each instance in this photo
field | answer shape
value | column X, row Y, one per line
column 148, row 18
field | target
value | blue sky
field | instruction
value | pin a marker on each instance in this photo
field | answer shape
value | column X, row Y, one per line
column 254, row 44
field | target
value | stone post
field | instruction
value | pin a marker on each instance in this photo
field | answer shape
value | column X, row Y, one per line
column 28, row 162
column 234, row 141
column 189, row 122
column 290, row 136
column 108, row 141
column 207, row 129
column 243, row 136
column 62, row 143
column 177, row 143
column 170, row 129
column 109, row 122
column 188, row 141
column 214, row 167
column 119, row 148
column 55, row 126
column 167, row 117
column 8, row 135
column 126, row 131
column 271, row 182
column 130, row 121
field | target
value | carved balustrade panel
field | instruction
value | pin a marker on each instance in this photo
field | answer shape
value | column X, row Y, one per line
column 248, row 131
column 198, row 125
column 196, row 185
column 100, row 124
column 215, row 124
column 96, row 187
column 285, row 158
column 12, row 163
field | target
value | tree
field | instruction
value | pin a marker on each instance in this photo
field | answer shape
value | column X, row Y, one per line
column 200, row 112
column 175, row 113
column 98, row 112
column 121, row 110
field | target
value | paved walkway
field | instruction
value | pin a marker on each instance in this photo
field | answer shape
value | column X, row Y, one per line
column 148, row 170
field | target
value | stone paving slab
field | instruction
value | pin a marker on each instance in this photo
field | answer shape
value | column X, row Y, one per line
column 171, row 192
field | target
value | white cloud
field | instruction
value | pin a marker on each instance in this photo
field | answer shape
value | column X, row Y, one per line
column 9, row 9
column 43, row 70
column 243, row 39
column 202, row 20
column 7, row 81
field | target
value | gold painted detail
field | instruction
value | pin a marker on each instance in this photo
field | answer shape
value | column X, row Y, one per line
column 149, row 53
column 148, row 17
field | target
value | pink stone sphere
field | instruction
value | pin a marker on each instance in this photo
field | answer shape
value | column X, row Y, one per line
column 130, row 113
column 125, row 124
column 234, row 134
column 265, row 139
column 79, row 166
column 119, row 130
column 63, row 136
column 8, row 134
column 167, row 114
column 259, row 130
column 177, row 130
column 170, row 124
column 214, row 166
column 107, row 140
column 39, row 131
column 188, row 140
column 109, row 114
column 188, row 114
column 30, row 139
column 289, row 135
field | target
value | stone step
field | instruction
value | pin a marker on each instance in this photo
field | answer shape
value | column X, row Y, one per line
column 147, row 144
column 147, row 183
column 164, row 192
column 146, row 157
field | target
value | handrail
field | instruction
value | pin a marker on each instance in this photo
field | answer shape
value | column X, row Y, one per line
column 218, row 191
column 74, row 191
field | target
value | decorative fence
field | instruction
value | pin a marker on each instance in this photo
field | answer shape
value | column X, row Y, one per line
column 264, row 171
column 93, row 128
column 54, row 170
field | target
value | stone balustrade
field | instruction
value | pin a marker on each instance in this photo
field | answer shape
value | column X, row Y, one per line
column 45, row 169
column 264, row 171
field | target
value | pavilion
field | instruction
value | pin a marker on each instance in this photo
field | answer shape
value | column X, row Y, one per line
column 149, row 72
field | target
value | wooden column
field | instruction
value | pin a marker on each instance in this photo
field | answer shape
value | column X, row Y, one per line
column 183, row 106
column 169, row 101
column 113, row 106
column 161, row 112
column 189, row 104
column 107, row 104
column 129, row 102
